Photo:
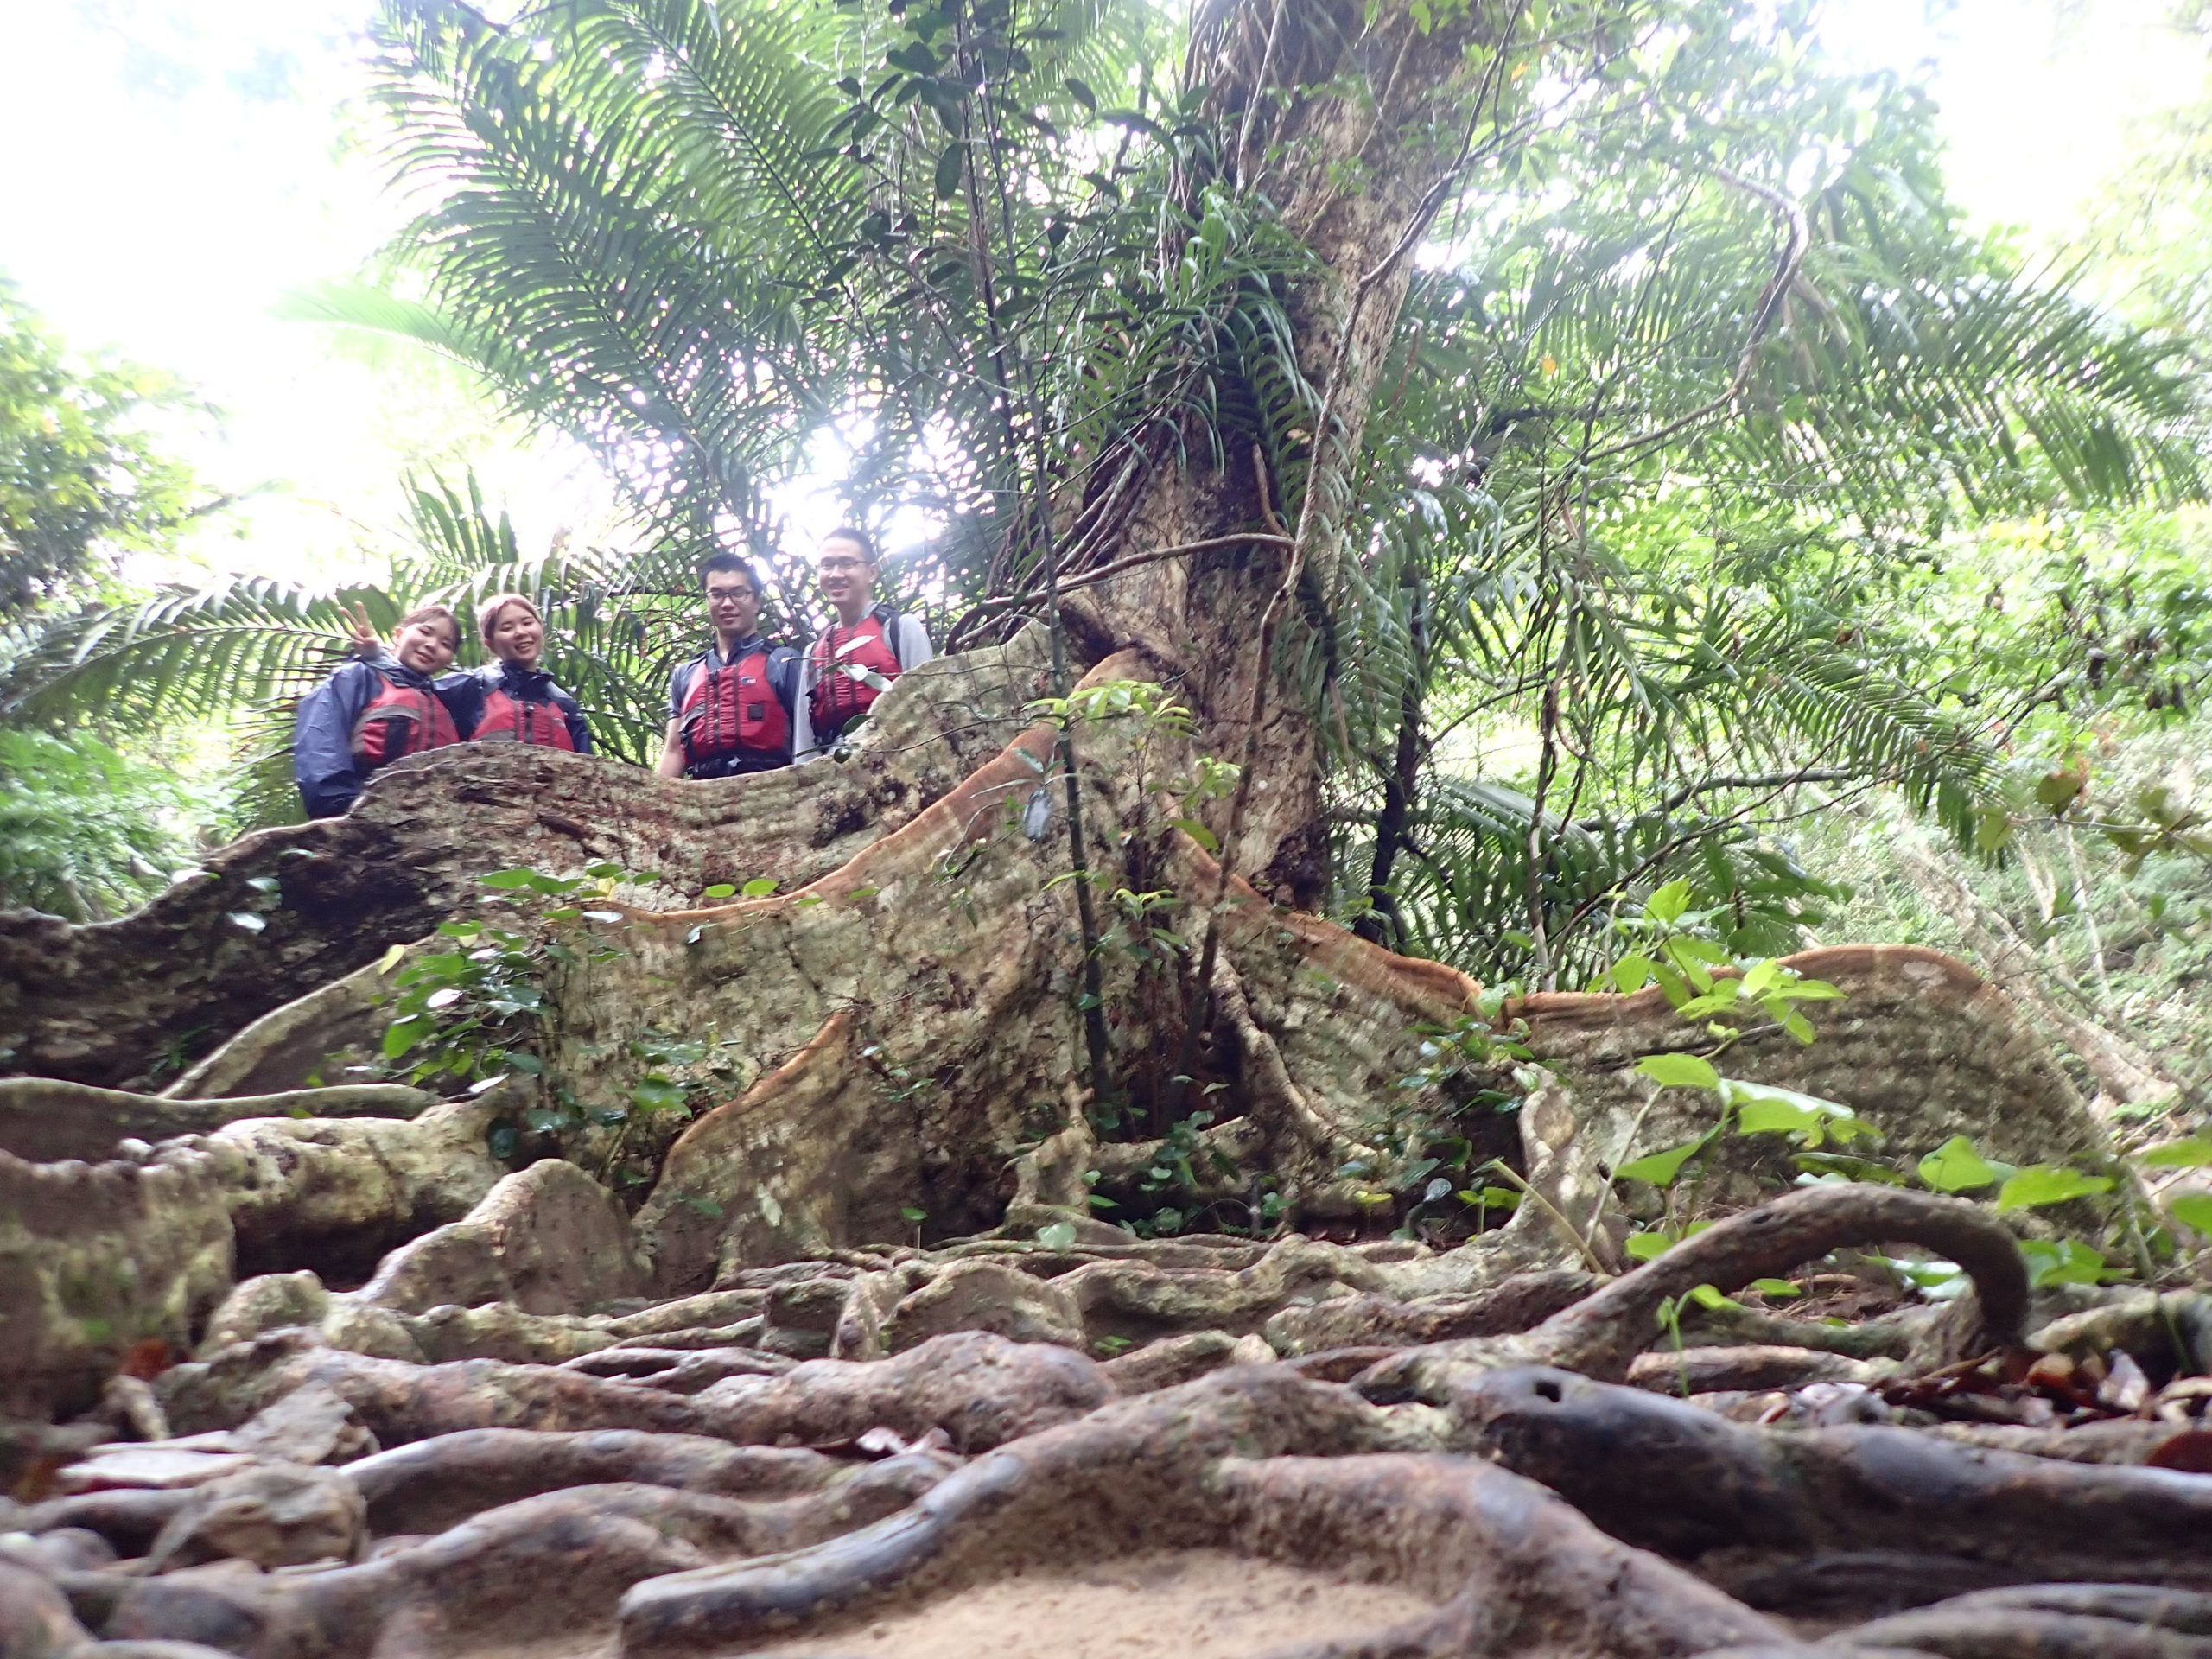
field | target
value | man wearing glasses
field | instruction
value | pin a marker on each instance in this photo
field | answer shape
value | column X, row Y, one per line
column 865, row 646
column 735, row 708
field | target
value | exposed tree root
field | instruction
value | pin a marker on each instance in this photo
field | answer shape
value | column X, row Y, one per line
column 982, row 1391
column 679, row 1370
column 894, row 1035
column 95, row 1258
column 2045, row 1622
column 1602, row 1334
column 432, row 1485
column 1368, row 1319
column 44, row 1120
column 1922, row 1046
column 903, row 1040
column 548, row 1240
column 1253, row 1461
column 1739, row 1499
column 538, row 1568
column 1748, row 1367
column 714, row 1492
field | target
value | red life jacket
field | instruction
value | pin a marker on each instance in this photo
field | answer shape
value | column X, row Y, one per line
column 852, row 668
column 733, row 712
column 517, row 720
column 400, row 720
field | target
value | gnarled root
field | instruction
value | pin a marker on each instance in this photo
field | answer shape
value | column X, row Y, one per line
column 432, row 1485
column 1741, row 1501
column 97, row 1257
column 981, row 1390
column 546, row 1564
column 2049, row 1621
column 1254, row 1462
column 1600, row 1335
column 547, row 1240
column 103, row 1004
column 1384, row 1321
column 43, row 1120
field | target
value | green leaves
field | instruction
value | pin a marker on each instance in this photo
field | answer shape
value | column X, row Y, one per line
column 2042, row 1184
column 1668, row 903
column 2062, row 1261
column 1661, row 1168
column 2193, row 1211
column 2194, row 1153
column 531, row 882
column 1956, row 1167
column 656, row 1093
column 947, row 173
column 78, row 469
column 1678, row 1071
column 1763, row 1109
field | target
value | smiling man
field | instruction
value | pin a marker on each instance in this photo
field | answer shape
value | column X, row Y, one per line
column 735, row 708
column 854, row 660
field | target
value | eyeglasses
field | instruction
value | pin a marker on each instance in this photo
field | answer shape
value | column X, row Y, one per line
column 728, row 596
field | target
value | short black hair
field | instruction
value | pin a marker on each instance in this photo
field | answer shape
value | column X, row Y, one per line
column 716, row 562
column 859, row 538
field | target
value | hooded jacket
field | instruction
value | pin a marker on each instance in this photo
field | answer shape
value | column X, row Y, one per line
column 523, row 685
column 324, row 765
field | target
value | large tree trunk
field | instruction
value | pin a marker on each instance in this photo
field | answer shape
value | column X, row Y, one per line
column 875, row 1232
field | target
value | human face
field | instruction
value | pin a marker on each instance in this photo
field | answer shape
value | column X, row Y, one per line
column 517, row 636
column 733, row 604
column 847, row 577
column 426, row 647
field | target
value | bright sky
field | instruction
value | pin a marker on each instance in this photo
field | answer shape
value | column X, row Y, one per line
column 176, row 169
column 2036, row 95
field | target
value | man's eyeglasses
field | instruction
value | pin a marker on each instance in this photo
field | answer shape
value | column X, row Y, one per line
column 728, row 596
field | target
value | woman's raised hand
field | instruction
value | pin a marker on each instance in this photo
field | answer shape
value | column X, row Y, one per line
column 368, row 642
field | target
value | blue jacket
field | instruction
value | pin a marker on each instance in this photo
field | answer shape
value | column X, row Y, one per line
column 324, row 764
column 523, row 685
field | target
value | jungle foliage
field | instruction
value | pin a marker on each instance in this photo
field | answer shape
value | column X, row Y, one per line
column 1662, row 540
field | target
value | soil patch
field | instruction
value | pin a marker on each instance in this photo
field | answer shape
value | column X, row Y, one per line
column 1201, row 1604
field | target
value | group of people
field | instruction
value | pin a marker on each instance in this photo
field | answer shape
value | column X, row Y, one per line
column 742, row 705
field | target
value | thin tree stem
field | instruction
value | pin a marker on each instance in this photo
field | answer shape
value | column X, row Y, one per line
column 1097, row 1042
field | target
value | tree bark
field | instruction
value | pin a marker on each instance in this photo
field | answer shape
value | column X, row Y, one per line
column 863, row 1350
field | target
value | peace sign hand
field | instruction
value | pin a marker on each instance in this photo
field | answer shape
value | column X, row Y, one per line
column 366, row 641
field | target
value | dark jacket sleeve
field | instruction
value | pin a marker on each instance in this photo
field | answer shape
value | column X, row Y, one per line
column 573, row 712
column 463, row 696
column 679, row 681
column 322, row 739
column 785, row 669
